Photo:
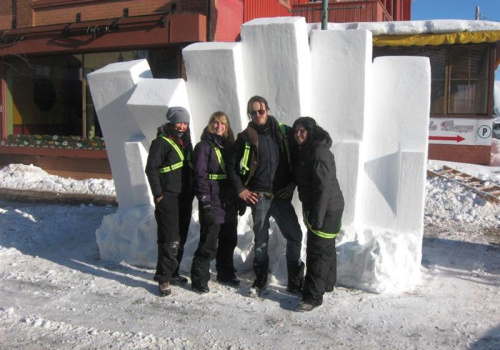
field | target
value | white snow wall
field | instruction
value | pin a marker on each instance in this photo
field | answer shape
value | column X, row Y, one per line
column 377, row 114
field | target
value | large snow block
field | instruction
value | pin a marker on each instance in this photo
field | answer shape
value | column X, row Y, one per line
column 150, row 102
column 215, row 83
column 111, row 87
column 347, row 160
column 276, row 61
column 411, row 197
column 137, row 156
column 382, row 250
column 341, row 65
column 394, row 127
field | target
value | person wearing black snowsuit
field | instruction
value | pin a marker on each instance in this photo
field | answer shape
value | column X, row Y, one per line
column 217, row 206
column 322, row 205
column 169, row 172
column 260, row 170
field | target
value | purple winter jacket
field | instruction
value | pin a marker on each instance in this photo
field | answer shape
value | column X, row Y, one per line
column 219, row 192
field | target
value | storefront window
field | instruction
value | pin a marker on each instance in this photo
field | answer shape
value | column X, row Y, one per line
column 50, row 95
column 459, row 76
column 44, row 95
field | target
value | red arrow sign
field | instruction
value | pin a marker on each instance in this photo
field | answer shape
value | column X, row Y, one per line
column 457, row 138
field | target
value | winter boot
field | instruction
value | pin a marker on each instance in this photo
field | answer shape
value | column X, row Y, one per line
column 305, row 306
column 229, row 279
column 178, row 280
column 165, row 289
column 295, row 278
column 258, row 285
column 200, row 289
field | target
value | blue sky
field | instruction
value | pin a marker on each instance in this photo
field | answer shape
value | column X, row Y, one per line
column 456, row 9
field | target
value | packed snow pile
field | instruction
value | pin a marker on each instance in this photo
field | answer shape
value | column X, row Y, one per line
column 450, row 204
column 29, row 177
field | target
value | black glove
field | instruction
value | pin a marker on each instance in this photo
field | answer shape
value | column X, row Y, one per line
column 241, row 207
column 316, row 224
column 207, row 213
column 241, row 210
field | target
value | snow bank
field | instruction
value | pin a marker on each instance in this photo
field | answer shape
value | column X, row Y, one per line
column 29, row 177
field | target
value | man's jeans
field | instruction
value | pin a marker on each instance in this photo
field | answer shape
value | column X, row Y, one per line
column 283, row 212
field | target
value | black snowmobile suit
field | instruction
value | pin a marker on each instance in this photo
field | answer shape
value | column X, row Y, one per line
column 323, row 205
column 169, row 171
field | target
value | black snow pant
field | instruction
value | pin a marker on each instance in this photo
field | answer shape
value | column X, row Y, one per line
column 173, row 216
column 216, row 241
column 321, row 264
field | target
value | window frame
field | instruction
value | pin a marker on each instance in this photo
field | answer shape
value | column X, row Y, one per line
column 447, row 108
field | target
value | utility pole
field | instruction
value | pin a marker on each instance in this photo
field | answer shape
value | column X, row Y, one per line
column 478, row 14
column 324, row 15
column 324, row 11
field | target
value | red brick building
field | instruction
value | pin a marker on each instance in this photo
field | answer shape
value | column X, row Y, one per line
column 47, row 47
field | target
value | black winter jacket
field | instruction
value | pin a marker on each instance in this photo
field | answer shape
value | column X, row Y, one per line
column 318, row 187
column 276, row 173
column 218, row 192
column 162, row 154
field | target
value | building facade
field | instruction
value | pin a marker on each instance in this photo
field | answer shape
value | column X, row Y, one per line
column 463, row 65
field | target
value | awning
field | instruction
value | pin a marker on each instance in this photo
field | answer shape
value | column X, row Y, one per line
column 492, row 36
column 130, row 33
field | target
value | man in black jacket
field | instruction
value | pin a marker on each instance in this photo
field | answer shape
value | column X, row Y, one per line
column 169, row 172
column 260, row 170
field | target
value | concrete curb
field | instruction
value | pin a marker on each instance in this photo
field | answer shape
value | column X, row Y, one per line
column 16, row 195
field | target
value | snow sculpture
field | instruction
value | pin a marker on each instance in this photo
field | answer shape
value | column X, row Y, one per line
column 377, row 114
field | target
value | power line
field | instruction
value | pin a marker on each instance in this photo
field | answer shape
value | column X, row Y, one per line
column 486, row 18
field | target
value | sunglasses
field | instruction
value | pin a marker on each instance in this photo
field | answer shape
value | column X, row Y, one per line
column 259, row 111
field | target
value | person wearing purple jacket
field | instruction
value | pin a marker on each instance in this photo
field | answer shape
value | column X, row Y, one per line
column 217, row 206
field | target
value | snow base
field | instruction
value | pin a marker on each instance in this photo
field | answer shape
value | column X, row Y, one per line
column 379, row 260
column 130, row 235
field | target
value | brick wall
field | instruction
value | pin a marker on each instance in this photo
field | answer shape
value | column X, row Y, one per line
column 5, row 14
column 24, row 13
column 95, row 10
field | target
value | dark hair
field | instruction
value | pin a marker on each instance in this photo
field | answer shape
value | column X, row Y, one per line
column 314, row 131
column 254, row 99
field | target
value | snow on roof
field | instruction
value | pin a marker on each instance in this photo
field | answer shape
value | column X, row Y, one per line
column 441, row 26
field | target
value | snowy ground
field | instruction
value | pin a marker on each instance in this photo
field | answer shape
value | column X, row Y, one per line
column 55, row 292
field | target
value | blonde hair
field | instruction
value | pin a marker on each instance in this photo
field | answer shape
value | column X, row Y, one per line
column 221, row 117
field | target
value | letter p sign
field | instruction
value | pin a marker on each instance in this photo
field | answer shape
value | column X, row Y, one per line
column 484, row 131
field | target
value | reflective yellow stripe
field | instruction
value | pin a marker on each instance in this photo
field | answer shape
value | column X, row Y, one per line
column 221, row 164
column 244, row 161
column 320, row 233
column 178, row 165
column 216, row 176
column 285, row 139
column 171, row 167
column 219, row 157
